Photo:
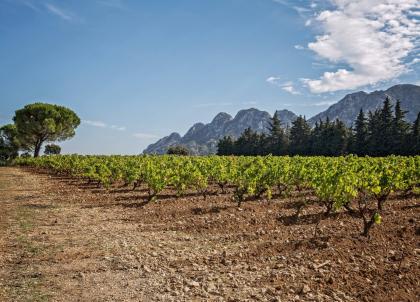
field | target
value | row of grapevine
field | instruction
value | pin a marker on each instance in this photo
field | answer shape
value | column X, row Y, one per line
column 336, row 181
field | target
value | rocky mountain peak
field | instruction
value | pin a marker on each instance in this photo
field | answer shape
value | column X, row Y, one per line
column 349, row 106
column 221, row 117
column 202, row 138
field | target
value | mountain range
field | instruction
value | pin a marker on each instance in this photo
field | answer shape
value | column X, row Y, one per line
column 201, row 139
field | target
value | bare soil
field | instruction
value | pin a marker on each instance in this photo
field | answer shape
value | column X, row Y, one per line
column 62, row 239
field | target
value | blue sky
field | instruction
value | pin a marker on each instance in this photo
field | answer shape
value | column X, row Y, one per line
column 136, row 70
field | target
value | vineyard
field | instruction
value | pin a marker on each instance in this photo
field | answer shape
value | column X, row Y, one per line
column 359, row 185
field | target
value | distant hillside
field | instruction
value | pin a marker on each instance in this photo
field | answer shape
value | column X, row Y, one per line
column 202, row 138
column 348, row 107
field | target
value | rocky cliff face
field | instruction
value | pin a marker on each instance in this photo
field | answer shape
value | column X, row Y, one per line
column 348, row 107
column 286, row 117
column 202, row 138
column 162, row 145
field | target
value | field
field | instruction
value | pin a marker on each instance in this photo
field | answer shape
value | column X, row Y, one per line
column 69, row 237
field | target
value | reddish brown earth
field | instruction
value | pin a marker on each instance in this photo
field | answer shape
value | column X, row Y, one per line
column 64, row 240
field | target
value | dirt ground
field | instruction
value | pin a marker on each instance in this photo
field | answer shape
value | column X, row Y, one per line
column 64, row 240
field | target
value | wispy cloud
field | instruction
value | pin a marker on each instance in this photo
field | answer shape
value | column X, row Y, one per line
column 373, row 38
column 59, row 12
column 28, row 4
column 274, row 80
column 299, row 47
column 301, row 10
column 95, row 123
column 286, row 86
column 325, row 103
column 145, row 136
column 101, row 124
column 119, row 128
column 39, row 6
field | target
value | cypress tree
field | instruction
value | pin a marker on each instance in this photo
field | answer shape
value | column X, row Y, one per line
column 300, row 134
column 386, row 129
column 225, row 146
column 374, row 130
column 247, row 143
column 339, row 138
column 360, row 138
column 400, row 131
column 414, row 144
column 317, row 147
column 277, row 140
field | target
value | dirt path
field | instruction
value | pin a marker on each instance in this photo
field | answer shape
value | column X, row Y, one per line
column 62, row 240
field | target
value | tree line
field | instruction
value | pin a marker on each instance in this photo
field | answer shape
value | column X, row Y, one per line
column 379, row 133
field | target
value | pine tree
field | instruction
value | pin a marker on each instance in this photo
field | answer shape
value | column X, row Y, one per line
column 225, row 146
column 317, row 146
column 274, row 125
column 360, row 138
column 300, row 135
column 248, row 143
column 400, row 129
column 414, row 144
column 374, row 130
column 339, row 138
column 386, row 129
column 277, row 140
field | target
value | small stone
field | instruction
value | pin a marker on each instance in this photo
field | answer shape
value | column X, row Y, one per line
column 194, row 284
column 211, row 287
column 147, row 269
column 305, row 289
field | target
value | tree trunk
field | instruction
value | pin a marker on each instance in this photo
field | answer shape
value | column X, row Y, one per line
column 37, row 149
column 367, row 225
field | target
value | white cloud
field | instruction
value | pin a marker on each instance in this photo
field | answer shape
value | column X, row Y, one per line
column 119, row 128
column 372, row 37
column 325, row 103
column 415, row 61
column 145, row 136
column 286, row 86
column 273, row 80
column 299, row 47
column 55, row 10
column 302, row 11
column 101, row 124
column 95, row 123
column 28, row 4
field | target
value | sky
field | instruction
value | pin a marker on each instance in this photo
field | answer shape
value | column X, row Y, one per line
column 137, row 70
